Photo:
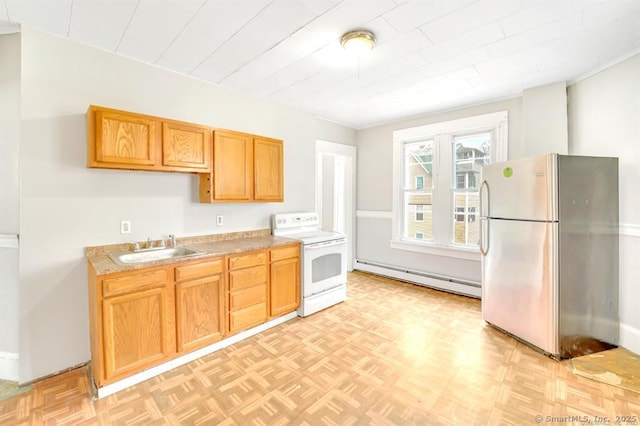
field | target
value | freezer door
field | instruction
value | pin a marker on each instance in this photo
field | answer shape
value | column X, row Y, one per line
column 523, row 189
column 519, row 281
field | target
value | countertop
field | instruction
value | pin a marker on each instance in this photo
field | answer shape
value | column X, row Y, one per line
column 210, row 246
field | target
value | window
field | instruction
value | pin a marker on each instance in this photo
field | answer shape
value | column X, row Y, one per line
column 437, row 178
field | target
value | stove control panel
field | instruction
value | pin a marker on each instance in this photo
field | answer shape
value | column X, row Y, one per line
column 294, row 220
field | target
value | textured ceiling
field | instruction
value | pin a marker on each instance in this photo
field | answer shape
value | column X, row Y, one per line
column 430, row 55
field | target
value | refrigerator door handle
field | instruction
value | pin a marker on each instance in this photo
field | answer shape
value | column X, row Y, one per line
column 484, row 250
column 484, row 219
column 482, row 186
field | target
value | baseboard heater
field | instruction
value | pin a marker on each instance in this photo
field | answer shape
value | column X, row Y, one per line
column 436, row 281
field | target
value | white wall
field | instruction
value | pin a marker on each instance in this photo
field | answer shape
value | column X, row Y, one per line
column 604, row 120
column 544, row 111
column 9, row 203
column 375, row 192
column 66, row 206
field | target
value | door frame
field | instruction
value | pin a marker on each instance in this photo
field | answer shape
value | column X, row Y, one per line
column 350, row 152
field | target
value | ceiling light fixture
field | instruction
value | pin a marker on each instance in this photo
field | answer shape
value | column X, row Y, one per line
column 358, row 41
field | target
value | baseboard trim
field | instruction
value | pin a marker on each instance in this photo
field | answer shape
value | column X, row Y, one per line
column 450, row 285
column 177, row 362
column 9, row 366
column 630, row 338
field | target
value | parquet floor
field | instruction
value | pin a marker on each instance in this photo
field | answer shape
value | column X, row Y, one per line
column 393, row 354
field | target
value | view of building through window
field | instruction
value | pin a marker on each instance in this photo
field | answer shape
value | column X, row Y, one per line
column 471, row 152
column 418, row 161
column 437, row 180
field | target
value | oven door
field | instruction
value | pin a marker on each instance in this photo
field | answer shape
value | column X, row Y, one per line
column 324, row 266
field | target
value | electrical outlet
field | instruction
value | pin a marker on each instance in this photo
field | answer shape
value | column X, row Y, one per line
column 219, row 220
column 125, row 227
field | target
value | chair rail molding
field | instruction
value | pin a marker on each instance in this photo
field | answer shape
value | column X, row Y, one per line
column 630, row 229
column 8, row 241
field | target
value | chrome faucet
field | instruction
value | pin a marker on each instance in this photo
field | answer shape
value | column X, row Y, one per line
column 172, row 240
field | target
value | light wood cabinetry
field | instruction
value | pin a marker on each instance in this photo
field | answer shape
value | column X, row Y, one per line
column 246, row 168
column 134, row 321
column 247, row 292
column 186, row 146
column 199, row 304
column 126, row 140
column 119, row 139
column 233, row 175
column 267, row 169
column 284, row 280
column 142, row 318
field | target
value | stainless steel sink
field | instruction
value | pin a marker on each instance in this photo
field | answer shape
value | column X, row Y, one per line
column 152, row 255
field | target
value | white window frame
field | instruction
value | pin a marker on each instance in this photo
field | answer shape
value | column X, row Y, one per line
column 496, row 122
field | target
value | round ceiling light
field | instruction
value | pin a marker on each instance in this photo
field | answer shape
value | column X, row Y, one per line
column 358, row 41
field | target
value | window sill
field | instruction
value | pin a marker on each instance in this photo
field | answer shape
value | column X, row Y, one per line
column 446, row 251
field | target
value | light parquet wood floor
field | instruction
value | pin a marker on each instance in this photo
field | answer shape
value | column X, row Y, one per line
column 393, row 354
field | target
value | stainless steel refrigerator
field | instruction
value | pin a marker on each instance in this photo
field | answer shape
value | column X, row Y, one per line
column 549, row 245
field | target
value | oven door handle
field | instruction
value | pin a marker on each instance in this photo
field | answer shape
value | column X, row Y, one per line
column 325, row 244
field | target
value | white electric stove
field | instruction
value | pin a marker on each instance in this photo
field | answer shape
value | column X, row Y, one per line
column 324, row 260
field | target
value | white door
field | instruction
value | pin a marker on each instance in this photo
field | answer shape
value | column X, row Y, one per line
column 335, row 191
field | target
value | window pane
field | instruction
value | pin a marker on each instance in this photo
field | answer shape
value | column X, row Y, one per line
column 466, row 223
column 471, row 153
column 418, row 216
column 418, row 165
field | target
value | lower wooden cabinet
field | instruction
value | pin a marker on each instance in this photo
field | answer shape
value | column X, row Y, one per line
column 284, row 280
column 132, row 322
column 142, row 318
column 247, row 295
column 199, row 305
column 137, row 331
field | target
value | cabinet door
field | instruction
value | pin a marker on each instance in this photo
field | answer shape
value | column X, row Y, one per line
column 186, row 146
column 123, row 139
column 137, row 331
column 268, row 169
column 232, row 166
column 199, row 312
column 284, row 294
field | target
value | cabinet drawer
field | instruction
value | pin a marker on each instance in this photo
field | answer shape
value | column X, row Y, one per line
column 247, row 260
column 248, row 277
column 248, row 317
column 197, row 270
column 247, row 297
column 285, row 252
column 133, row 282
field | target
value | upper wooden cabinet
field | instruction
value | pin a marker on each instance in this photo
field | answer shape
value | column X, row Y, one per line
column 186, row 146
column 126, row 140
column 121, row 139
column 233, row 174
column 267, row 169
column 246, row 168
